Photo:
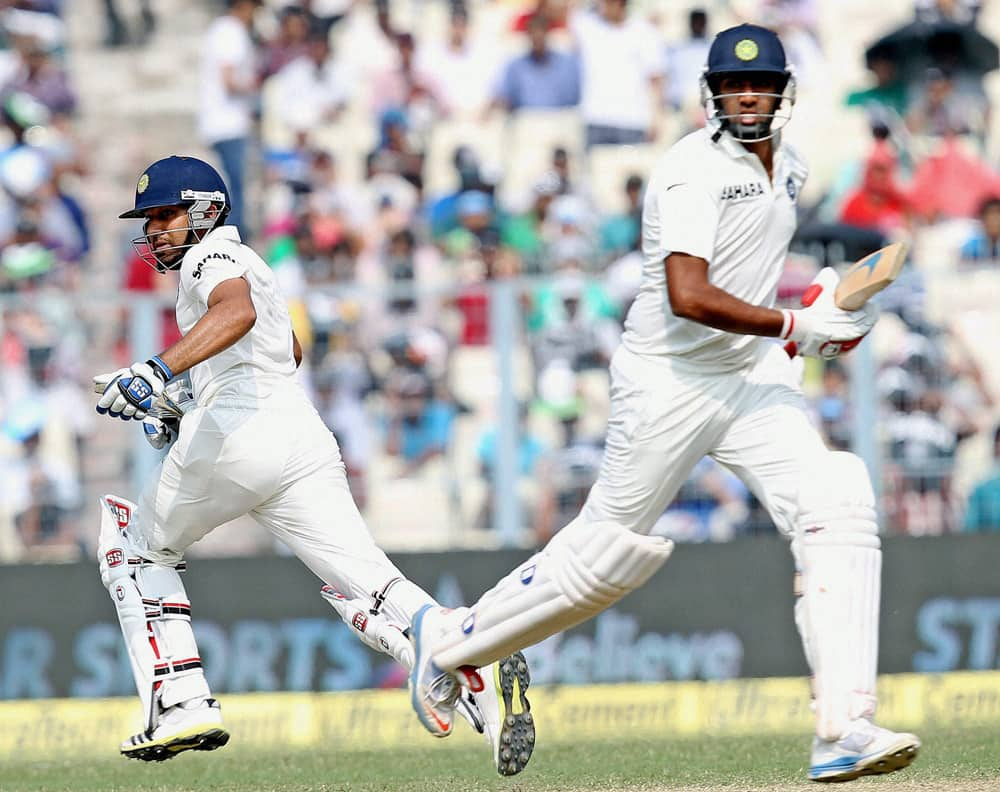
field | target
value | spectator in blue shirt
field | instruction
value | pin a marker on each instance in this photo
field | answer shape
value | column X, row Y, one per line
column 420, row 425
column 984, row 244
column 982, row 512
column 541, row 78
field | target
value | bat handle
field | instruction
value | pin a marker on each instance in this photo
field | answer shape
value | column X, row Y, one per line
column 791, row 349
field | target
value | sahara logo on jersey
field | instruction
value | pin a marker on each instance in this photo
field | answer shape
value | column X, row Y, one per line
column 209, row 257
column 734, row 192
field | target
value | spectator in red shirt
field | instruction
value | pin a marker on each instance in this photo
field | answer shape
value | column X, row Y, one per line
column 878, row 203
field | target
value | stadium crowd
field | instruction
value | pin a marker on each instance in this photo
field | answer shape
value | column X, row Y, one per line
column 393, row 174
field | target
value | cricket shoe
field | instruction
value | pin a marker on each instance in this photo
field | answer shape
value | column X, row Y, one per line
column 866, row 750
column 509, row 725
column 434, row 692
column 180, row 728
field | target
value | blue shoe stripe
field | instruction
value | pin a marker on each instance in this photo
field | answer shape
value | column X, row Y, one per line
column 417, row 621
column 840, row 763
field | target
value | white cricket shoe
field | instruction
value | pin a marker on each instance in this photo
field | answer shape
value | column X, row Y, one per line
column 434, row 692
column 866, row 750
column 509, row 725
column 184, row 727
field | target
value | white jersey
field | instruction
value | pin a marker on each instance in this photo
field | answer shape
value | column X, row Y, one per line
column 711, row 198
column 261, row 364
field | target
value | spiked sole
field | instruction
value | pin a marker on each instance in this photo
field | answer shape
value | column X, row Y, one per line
column 517, row 726
column 197, row 739
column 895, row 758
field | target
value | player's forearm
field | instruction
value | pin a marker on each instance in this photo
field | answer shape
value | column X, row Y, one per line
column 222, row 326
column 716, row 308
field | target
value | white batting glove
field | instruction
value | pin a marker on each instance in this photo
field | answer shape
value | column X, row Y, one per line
column 821, row 329
column 130, row 393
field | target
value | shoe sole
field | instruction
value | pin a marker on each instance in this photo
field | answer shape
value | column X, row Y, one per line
column 895, row 758
column 193, row 740
column 517, row 726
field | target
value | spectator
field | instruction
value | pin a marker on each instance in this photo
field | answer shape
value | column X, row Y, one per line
column 889, row 91
column 38, row 75
column 964, row 12
column 685, row 61
column 621, row 71
column 573, row 325
column 984, row 244
column 951, row 182
column 833, row 408
column 921, row 455
column 117, row 32
column 290, row 43
column 554, row 12
column 523, row 232
column 419, row 425
column 561, row 168
column 942, row 110
column 395, row 152
column 565, row 478
column 620, row 233
column 314, row 90
column 442, row 212
column 711, row 506
column 982, row 511
column 40, row 481
column 465, row 69
column 879, row 203
column 540, row 79
column 529, row 450
column 229, row 90
column 407, row 85
column 343, row 412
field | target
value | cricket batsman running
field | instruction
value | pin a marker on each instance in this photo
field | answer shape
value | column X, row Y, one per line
column 251, row 443
column 695, row 375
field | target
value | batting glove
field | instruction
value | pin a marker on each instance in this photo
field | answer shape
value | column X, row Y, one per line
column 130, row 393
column 159, row 433
column 821, row 329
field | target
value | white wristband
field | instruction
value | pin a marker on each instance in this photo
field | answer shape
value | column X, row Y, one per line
column 789, row 323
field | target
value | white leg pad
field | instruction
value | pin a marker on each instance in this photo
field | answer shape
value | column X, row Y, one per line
column 840, row 557
column 583, row 570
column 154, row 613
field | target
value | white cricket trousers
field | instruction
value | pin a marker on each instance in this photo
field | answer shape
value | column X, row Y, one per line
column 280, row 465
column 667, row 414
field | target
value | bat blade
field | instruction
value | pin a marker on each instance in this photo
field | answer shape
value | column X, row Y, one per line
column 869, row 276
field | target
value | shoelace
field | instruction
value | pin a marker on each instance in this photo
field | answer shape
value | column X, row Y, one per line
column 443, row 691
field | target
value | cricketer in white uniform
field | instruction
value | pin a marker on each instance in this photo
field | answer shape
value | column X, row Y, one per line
column 251, row 444
column 695, row 376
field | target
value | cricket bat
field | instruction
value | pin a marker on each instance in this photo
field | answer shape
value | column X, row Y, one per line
column 869, row 276
column 865, row 279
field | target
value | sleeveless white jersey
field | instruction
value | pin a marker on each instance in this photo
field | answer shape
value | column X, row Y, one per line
column 711, row 198
column 260, row 366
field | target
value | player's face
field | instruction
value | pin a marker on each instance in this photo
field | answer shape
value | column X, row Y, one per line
column 167, row 230
column 742, row 100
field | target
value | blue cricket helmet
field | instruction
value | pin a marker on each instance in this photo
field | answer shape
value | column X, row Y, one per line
column 178, row 181
column 747, row 49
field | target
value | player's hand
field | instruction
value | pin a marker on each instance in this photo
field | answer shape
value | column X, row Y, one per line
column 130, row 392
column 821, row 329
column 159, row 433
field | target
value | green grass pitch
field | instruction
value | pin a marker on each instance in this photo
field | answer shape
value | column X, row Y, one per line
column 950, row 761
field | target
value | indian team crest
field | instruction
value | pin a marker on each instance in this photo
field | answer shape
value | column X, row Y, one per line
column 792, row 189
column 143, row 184
column 746, row 49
